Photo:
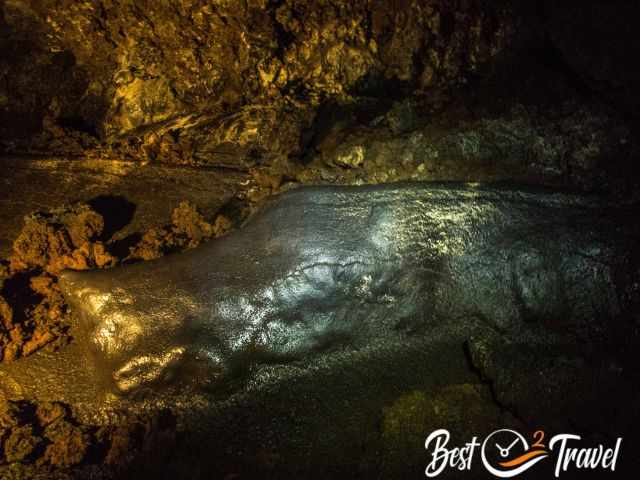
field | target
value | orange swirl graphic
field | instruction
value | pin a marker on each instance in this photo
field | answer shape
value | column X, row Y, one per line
column 522, row 458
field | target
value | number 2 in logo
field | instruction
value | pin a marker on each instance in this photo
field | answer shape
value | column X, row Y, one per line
column 538, row 437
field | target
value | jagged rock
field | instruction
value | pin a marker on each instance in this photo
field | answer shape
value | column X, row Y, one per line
column 222, row 83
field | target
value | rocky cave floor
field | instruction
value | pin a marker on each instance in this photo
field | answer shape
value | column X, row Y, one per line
column 133, row 130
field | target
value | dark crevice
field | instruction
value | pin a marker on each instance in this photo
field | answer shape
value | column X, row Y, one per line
column 489, row 383
column 549, row 56
column 283, row 38
column 19, row 295
column 122, row 247
column 79, row 124
column 116, row 211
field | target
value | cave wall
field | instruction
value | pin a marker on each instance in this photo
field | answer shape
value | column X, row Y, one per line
column 225, row 82
column 279, row 84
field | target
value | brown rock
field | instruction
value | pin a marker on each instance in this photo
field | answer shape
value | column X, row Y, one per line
column 20, row 444
column 188, row 221
column 6, row 314
column 62, row 238
column 48, row 412
column 68, row 444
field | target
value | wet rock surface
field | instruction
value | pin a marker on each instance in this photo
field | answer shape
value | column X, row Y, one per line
column 113, row 113
column 532, row 360
column 34, row 313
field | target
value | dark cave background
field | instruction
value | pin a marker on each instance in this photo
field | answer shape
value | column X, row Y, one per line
column 132, row 107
